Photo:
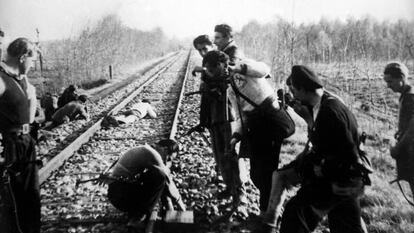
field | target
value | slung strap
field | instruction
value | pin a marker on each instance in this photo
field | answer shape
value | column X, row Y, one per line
column 236, row 90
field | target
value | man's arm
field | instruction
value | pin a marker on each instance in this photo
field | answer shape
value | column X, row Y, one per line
column 252, row 68
column 236, row 126
column 175, row 195
column 40, row 115
column 171, row 190
column 31, row 94
column 197, row 69
column 2, row 87
column 82, row 113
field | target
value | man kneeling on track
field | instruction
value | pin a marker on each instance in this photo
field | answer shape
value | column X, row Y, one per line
column 140, row 177
column 71, row 111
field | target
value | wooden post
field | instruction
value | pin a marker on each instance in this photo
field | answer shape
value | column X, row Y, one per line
column 39, row 52
column 110, row 71
column 1, row 44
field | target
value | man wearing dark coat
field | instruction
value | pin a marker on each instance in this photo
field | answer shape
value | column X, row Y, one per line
column 216, row 115
column 396, row 77
column 223, row 39
column 68, row 95
column 330, row 173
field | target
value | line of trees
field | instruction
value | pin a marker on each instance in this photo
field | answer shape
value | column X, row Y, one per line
column 282, row 43
column 87, row 56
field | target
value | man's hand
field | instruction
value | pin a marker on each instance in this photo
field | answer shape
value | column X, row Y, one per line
column 394, row 152
column 233, row 143
column 180, row 204
column 235, row 138
column 197, row 69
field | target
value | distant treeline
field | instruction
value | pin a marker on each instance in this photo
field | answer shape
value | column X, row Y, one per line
column 281, row 43
column 86, row 57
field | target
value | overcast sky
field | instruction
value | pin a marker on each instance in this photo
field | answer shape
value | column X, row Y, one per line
column 181, row 18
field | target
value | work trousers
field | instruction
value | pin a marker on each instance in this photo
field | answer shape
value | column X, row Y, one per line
column 227, row 162
column 314, row 201
column 138, row 198
column 19, row 196
column 264, row 160
column 265, row 144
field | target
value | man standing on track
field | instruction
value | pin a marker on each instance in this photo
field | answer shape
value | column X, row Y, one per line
column 255, row 123
column 396, row 77
column 223, row 39
column 216, row 115
column 19, row 184
column 204, row 45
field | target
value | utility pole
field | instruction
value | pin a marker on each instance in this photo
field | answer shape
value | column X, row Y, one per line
column 1, row 44
column 292, row 35
column 39, row 52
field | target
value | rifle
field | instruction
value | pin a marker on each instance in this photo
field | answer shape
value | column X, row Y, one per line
column 104, row 176
column 197, row 128
column 100, row 180
column 193, row 93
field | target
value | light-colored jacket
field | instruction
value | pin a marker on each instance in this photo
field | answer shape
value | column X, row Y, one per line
column 253, row 85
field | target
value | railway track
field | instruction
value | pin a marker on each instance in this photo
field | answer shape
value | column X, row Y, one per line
column 58, row 139
column 67, row 208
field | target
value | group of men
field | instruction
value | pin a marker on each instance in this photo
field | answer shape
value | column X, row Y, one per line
column 239, row 107
column 137, row 179
column 238, row 104
column 68, row 107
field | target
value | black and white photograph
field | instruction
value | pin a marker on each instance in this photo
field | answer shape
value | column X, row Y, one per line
column 219, row 116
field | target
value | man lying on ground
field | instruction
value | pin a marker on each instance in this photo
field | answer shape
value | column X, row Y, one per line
column 137, row 111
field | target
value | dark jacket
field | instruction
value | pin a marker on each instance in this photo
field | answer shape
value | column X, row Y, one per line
column 405, row 136
column 406, row 111
column 334, row 138
column 214, row 107
column 233, row 51
column 66, row 97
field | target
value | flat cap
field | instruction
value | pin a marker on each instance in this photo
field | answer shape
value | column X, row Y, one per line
column 305, row 77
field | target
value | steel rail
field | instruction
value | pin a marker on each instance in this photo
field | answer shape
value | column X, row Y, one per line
column 66, row 153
